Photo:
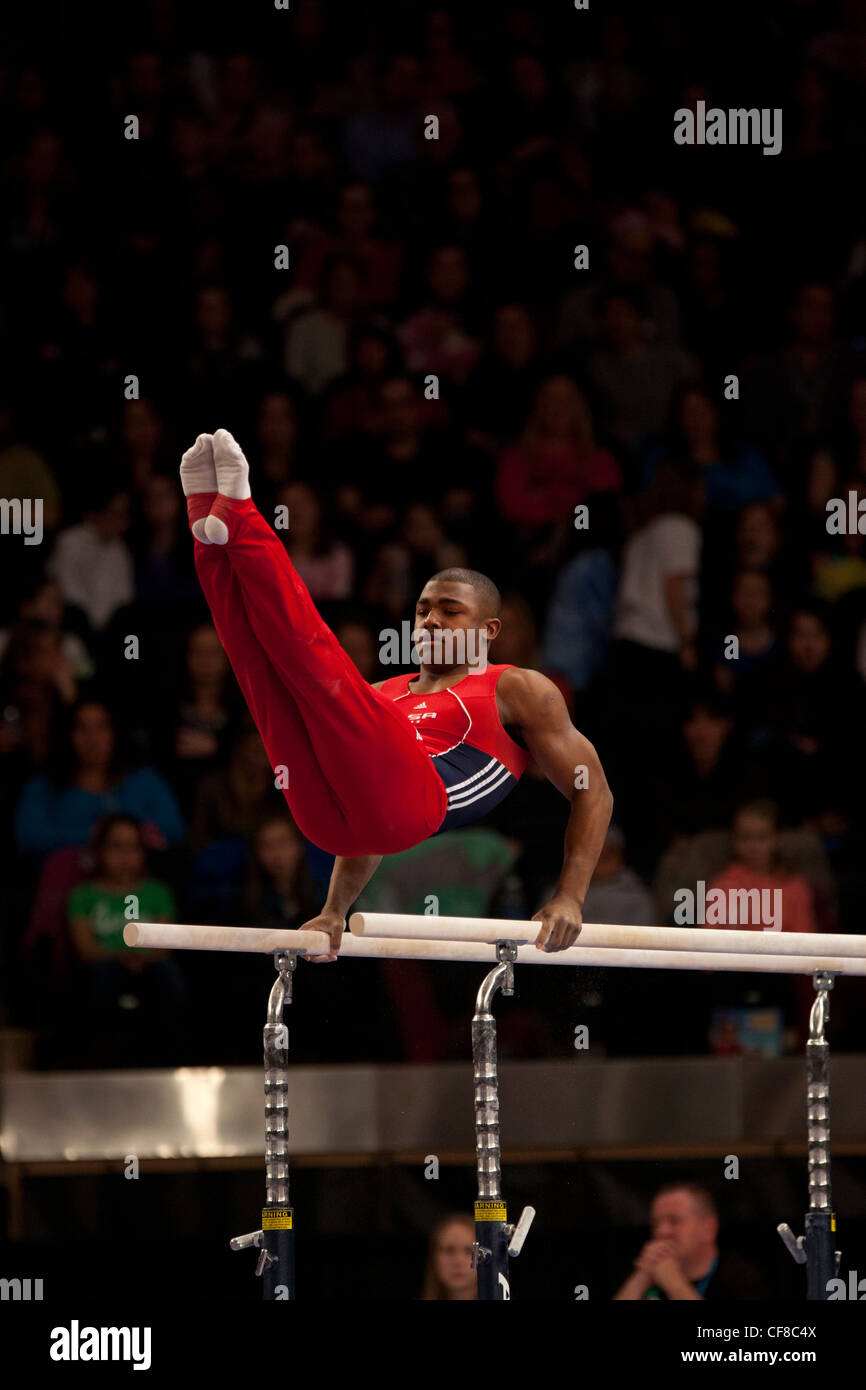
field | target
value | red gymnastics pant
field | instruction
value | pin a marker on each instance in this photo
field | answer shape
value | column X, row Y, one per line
column 359, row 781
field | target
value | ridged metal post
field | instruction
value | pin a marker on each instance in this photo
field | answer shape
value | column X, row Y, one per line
column 820, row 1235
column 490, row 1250
column 275, row 1240
column 277, row 1260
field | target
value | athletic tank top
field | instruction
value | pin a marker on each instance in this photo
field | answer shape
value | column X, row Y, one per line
column 462, row 732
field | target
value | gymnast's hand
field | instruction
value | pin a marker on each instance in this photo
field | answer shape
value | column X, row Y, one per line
column 561, row 920
column 332, row 923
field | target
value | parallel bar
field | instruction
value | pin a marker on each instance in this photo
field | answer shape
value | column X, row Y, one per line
column 173, row 936
column 768, row 943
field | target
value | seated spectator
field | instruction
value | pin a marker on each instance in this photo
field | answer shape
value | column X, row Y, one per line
column 36, row 682
column 353, row 402
column 43, row 604
column 655, row 629
column 278, row 891
column 219, row 357
column 628, row 272
column 582, row 607
column 681, row 1261
column 636, row 379
column 91, row 562
column 755, row 867
column 355, row 237
column 277, row 436
column 193, row 736
column 798, row 393
column 402, row 567
column 142, row 433
column 316, row 341
column 735, row 474
column 449, row 1273
column 808, row 730
column 706, row 785
column 359, row 639
column 164, row 569
column 617, row 894
column 437, row 338
column 755, row 631
column 89, row 779
column 326, row 566
column 232, row 801
column 115, row 976
column 502, row 387
column 556, row 464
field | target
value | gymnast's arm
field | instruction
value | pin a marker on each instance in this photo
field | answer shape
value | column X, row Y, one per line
column 532, row 702
column 348, row 877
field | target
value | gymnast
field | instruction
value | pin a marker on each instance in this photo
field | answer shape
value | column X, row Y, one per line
column 374, row 769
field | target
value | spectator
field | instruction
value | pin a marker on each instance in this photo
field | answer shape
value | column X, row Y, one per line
column 656, row 620
column 359, row 640
column 164, row 569
column 681, row 1261
column 635, row 379
column 501, row 388
column 437, row 339
column 116, row 977
column 755, row 869
column 92, row 562
column 402, row 567
column 43, row 604
column 378, row 260
column 449, row 1273
column 232, row 801
column 734, row 474
column 617, row 893
column 278, row 891
column 192, row 738
column 90, row 779
column 738, row 669
column 316, row 349
column 796, row 395
column 353, row 403
column 325, row 565
column 36, row 681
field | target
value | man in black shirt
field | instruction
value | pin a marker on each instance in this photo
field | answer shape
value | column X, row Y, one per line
column 681, row 1261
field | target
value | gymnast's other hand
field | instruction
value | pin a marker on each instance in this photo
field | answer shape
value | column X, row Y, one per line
column 332, row 923
column 561, row 920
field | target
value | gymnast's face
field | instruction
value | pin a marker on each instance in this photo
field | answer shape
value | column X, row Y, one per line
column 448, row 607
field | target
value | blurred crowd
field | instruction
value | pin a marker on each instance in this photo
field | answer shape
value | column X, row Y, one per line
column 387, row 312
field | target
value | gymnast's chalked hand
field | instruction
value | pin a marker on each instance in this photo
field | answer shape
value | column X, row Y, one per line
column 561, row 920
column 334, row 925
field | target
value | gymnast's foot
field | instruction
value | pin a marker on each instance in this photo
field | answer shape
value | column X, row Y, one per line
column 233, row 483
column 199, row 482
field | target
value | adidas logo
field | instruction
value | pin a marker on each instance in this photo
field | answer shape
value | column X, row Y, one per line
column 423, row 705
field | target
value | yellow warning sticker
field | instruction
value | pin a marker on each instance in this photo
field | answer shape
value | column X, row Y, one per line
column 490, row 1211
column 832, row 1221
column 277, row 1219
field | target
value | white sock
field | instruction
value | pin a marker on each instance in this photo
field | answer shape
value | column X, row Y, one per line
column 198, row 474
column 232, row 469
